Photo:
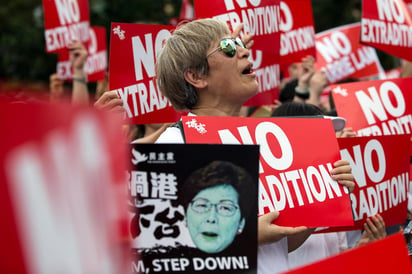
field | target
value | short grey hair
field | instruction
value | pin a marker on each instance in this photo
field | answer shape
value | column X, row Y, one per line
column 186, row 49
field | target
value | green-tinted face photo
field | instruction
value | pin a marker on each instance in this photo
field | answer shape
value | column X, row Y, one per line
column 213, row 218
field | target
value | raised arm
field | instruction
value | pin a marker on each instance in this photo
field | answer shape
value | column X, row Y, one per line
column 78, row 56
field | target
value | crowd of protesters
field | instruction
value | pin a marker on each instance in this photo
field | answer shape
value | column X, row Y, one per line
column 206, row 80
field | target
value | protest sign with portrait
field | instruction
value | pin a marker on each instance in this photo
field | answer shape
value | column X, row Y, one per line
column 193, row 208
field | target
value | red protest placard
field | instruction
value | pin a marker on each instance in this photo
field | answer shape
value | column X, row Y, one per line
column 64, row 21
column 260, row 18
column 57, row 184
column 96, row 63
column 378, row 107
column 297, row 31
column 380, row 166
column 389, row 255
column 133, row 50
column 294, row 170
column 386, row 25
column 341, row 56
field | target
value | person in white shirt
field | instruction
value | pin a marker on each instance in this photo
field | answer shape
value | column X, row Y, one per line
column 205, row 69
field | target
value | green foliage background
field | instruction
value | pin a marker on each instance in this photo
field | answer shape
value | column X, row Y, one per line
column 22, row 45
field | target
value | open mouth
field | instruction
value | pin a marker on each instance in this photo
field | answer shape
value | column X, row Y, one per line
column 209, row 234
column 247, row 70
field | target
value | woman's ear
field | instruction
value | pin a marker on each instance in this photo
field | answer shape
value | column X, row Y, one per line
column 241, row 226
column 195, row 79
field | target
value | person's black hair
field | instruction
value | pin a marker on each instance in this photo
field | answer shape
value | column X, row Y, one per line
column 287, row 93
column 141, row 130
column 191, row 96
column 296, row 109
column 220, row 173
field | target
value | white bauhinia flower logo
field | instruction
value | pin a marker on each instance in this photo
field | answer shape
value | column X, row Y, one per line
column 138, row 157
column 119, row 32
column 199, row 127
column 341, row 91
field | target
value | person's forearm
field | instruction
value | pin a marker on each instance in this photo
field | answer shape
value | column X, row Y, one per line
column 80, row 93
column 314, row 101
column 294, row 241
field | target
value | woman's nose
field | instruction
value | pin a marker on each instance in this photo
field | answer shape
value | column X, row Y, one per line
column 212, row 215
column 244, row 52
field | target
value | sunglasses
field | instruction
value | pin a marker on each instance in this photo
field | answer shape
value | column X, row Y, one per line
column 228, row 46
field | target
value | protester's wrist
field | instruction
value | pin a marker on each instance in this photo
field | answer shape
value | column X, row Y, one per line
column 78, row 70
column 302, row 93
column 81, row 79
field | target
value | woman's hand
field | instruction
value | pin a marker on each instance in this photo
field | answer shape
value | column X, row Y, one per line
column 109, row 101
column 246, row 39
column 269, row 233
column 374, row 229
column 78, row 57
column 346, row 132
column 342, row 173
